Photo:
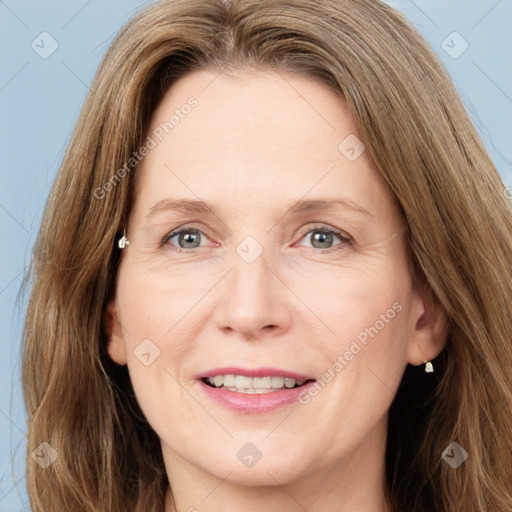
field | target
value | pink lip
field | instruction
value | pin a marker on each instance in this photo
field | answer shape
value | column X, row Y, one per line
column 253, row 404
column 254, row 372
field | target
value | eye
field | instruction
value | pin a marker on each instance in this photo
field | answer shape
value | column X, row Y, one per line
column 322, row 237
column 186, row 238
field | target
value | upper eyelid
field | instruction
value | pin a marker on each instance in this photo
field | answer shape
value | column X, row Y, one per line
column 324, row 227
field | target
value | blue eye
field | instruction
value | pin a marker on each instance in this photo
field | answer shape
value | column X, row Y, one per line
column 190, row 238
column 324, row 237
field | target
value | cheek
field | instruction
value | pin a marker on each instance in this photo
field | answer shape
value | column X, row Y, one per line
column 343, row 300
column 154, row 304
column 360, row 327
column 370, row 341
column 154, row 316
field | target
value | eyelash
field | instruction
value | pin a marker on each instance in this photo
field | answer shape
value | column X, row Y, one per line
column 321, row 228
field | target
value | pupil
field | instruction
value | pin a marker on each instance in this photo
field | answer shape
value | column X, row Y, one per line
column 188, row 238
column 322, row 237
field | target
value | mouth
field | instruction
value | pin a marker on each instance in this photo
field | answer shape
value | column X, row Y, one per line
column 254, row 385
column 253, row 391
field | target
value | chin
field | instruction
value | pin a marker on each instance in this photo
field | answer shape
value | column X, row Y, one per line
column 267, row 473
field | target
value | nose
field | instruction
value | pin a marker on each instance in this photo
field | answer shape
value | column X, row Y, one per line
column 255, row 302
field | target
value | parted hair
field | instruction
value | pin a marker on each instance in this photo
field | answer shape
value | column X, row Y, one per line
column 459, row 245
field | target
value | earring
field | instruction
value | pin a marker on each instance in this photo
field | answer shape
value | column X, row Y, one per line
column 429, row 368
column 123, row 241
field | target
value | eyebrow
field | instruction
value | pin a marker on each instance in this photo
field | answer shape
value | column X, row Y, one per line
column 298, row 207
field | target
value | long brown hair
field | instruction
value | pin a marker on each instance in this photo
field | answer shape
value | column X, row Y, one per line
column 459, row 242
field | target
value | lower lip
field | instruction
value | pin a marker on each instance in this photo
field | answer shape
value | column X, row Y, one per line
column 254, row 403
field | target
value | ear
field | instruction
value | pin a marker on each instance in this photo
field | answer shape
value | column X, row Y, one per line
column 429, row 328
column 116, row 348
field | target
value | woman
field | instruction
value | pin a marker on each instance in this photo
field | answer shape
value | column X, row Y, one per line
column 192, row 344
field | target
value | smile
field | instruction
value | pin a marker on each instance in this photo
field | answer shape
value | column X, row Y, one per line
column 253, row 391
column 255, row 385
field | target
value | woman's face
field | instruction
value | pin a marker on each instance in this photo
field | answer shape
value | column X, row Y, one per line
column 296, row 268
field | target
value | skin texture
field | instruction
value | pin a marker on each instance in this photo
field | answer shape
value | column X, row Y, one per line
column 254, row 144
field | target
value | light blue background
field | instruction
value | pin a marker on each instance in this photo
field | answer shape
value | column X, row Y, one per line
column 40, row 100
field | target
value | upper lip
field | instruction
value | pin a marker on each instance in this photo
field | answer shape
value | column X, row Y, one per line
column 253, row 372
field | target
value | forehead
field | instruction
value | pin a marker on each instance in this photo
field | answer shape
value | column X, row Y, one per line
column 259, row 133
column 255, row 108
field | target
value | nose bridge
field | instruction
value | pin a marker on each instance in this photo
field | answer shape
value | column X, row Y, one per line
column 252, row 278
column 252, row 274
column 251, row 301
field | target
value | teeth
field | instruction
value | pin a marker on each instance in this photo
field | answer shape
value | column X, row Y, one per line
column 289, row 383
column 251, row 391
column 243, row 382
column 229, row 380
column 262, row 382
column 277, row 382
column 250, row 385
